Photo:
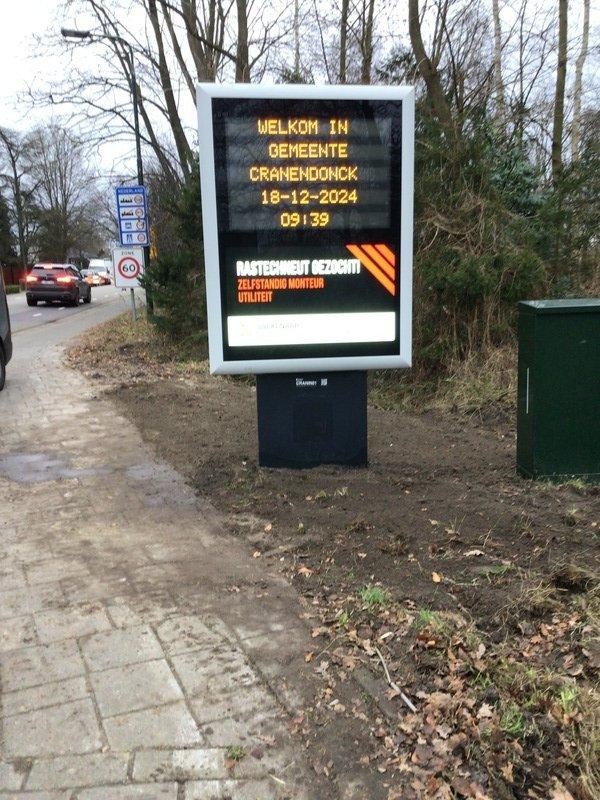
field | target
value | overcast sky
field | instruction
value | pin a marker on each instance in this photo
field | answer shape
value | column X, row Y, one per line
column 23, row 65
column 19, row 67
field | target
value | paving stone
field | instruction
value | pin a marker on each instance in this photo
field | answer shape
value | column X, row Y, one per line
column 232, row 703
column 123, row 615
column 134, row 687
column 82, row 589
column 120, row 647
column 37, row 796
column 50, row 694
column 180, row 765
column 85, row 770
column 16, row 602
column 206, row 672
column 55, row 569
column 38, row 665
column 168, row 726
column 183, row 634
column 147, row 791
column 16, row 632
column 70, row 623
column 246, row 730
column 233, row 790
column 12, row 578
column 70, row 728
column 10, row 776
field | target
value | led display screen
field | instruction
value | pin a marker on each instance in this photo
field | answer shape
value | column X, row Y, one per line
column 304, row 199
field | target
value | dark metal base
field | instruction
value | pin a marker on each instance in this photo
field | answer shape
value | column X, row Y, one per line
column 310, row 419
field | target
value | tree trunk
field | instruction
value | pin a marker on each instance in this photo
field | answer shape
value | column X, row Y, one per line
column 177, row 49
column 367, row 44
column 429, row 73
column 498, row 82
column 343, row 41
column 578, row 84
column 559, row 97
column 296, row 41
column 242, row 61
column 184, row 151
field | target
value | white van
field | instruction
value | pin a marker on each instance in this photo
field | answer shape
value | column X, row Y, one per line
column 101, row 267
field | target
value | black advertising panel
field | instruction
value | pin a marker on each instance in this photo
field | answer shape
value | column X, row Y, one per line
column 307, row 213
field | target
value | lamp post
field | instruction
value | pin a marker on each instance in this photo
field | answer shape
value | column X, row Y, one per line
column 70, row 33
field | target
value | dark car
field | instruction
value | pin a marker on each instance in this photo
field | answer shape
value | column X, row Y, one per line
column 57, row 282
column 5, row 340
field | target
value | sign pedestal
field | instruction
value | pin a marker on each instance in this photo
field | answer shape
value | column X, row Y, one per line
column 312, row 418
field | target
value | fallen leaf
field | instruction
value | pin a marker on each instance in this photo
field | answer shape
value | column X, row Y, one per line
column 559, row 792
column 268, row 527
column 436, row 577
column 256, row 554
column 471, row 553
column 485, row 712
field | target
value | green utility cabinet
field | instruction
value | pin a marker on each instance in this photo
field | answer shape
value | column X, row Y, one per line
column 558, row 398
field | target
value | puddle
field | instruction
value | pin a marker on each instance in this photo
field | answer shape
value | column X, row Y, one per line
column 40, row 467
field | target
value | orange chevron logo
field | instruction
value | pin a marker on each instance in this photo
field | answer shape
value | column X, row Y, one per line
column 380, row 261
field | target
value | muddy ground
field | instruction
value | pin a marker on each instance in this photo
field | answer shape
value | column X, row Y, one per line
column 476, row 590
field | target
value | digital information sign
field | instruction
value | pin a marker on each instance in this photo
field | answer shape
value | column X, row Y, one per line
column 307, row 204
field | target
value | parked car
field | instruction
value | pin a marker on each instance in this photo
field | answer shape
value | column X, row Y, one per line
column 5, row 340
column 57, row 282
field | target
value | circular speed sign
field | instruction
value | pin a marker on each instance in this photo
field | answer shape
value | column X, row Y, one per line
column 129, row 268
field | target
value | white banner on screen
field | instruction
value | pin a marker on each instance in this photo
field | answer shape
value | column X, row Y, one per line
column 290, row 329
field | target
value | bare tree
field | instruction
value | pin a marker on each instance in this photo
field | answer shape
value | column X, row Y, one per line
column 559, row 96
column 578, row 83
column 184, row 150
column 58, row 163
column 366, row 40
column 343, row 41
column 15, row 178
column 428, row 69
column 498, row 82
column 242, row 57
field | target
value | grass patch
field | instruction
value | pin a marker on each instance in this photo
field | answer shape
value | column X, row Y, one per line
column 12, row 289
column 235, row 752
column 479, row 381
column 430, row 619
column 512, row 722
column 374, row 596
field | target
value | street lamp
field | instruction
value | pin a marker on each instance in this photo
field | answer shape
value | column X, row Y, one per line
column 70, row 33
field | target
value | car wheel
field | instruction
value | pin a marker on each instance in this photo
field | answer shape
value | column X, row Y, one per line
column 31, row 301
column 88, row 299
column 75, row 300
column 2, row 369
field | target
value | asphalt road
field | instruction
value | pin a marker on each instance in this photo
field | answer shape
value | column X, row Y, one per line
column 23, row 317
column 36, row 329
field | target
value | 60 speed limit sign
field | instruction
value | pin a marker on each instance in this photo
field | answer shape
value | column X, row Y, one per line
column 128, row 265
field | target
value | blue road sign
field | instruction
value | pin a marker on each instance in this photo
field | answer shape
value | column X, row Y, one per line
column 132, row 214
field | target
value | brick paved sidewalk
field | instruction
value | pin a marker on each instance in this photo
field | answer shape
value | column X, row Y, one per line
column 140, row 646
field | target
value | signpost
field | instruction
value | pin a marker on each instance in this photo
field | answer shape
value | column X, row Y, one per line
column 128, row 266
column 307, row 196
column 132, row 213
